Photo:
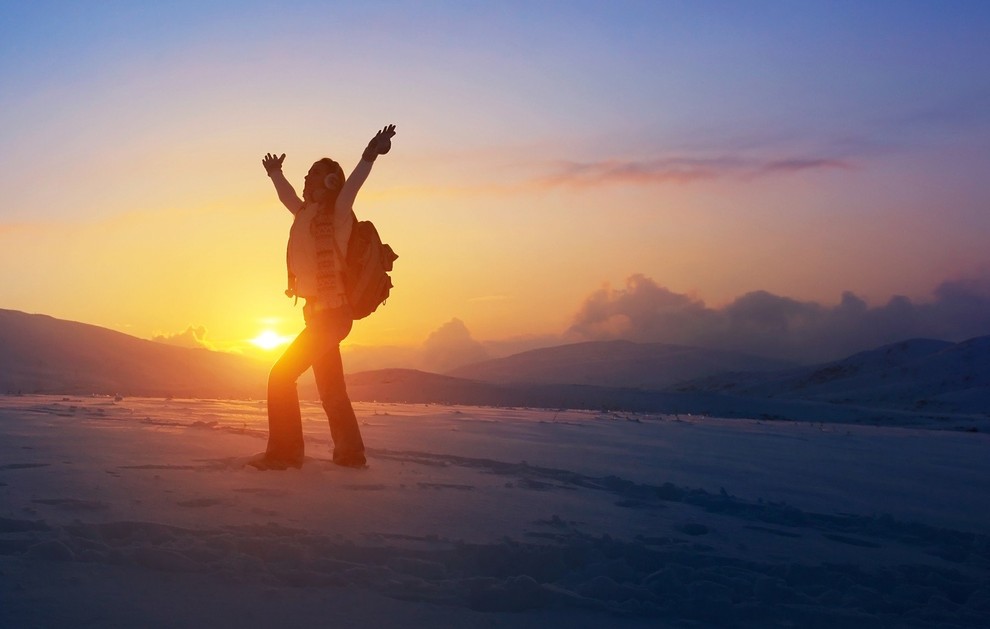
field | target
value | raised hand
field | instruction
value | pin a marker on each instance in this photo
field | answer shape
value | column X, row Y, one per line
column 272, row 163
column 380, row 144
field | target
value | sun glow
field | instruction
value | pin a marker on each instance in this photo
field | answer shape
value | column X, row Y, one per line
column 269, row 340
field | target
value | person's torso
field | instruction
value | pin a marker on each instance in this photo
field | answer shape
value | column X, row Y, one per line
column 314, row 259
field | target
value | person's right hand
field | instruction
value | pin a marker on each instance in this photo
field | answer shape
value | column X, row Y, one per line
column 272, row 163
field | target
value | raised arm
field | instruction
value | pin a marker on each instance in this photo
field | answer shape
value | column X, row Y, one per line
column 286, row 193
column 379, row 145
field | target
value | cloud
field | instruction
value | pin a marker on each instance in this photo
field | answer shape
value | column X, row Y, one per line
column 451, row 346
column 796, row 165
column 780, row 327
column 606, row 172
column 194, row 337
column 679, row 170
column 642, row 311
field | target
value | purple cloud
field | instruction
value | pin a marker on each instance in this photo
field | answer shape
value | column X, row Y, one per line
column 780, row 327
column 679, row 170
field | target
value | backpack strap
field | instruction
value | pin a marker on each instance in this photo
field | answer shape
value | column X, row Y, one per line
column 343, row 262
column 290, row 291
column 340, row 254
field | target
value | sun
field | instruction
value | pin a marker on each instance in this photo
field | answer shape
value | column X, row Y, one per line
column 269, row 340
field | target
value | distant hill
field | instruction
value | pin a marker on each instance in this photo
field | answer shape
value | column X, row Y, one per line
column 41, row 354
column 419, row 387
column 918, row 374
column 653, row 366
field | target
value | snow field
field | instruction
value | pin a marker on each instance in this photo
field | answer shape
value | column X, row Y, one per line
column 486, row 517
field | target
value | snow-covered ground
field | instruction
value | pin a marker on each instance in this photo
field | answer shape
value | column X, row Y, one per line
column 142, row 513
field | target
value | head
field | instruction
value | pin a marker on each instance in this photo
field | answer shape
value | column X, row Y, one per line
column 323, row 182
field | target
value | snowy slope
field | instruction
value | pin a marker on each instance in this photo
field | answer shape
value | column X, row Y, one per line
column 411, row 386
column 141, row 513
column 920, row 374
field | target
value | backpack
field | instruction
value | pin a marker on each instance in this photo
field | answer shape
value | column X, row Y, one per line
column 366, row 280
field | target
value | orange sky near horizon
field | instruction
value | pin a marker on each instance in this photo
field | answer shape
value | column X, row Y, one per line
column 134, row 197
column 503, row 269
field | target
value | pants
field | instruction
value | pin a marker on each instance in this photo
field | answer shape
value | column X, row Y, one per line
column 317, row 346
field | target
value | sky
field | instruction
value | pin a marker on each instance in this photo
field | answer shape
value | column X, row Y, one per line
column 761, row 176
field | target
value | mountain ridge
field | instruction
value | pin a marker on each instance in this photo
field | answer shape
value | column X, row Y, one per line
column 40, row 353
column 617, row 363
column 905, row 382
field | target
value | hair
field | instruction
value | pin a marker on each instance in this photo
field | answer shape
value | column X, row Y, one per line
column 334, row 168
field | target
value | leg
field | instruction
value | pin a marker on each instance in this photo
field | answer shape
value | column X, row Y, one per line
column 348, row 447
column 285, row 437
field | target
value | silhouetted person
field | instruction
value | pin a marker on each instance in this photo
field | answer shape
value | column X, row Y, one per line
column 315, row 257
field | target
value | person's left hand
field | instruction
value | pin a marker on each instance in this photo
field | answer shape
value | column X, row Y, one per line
column 381, row 143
